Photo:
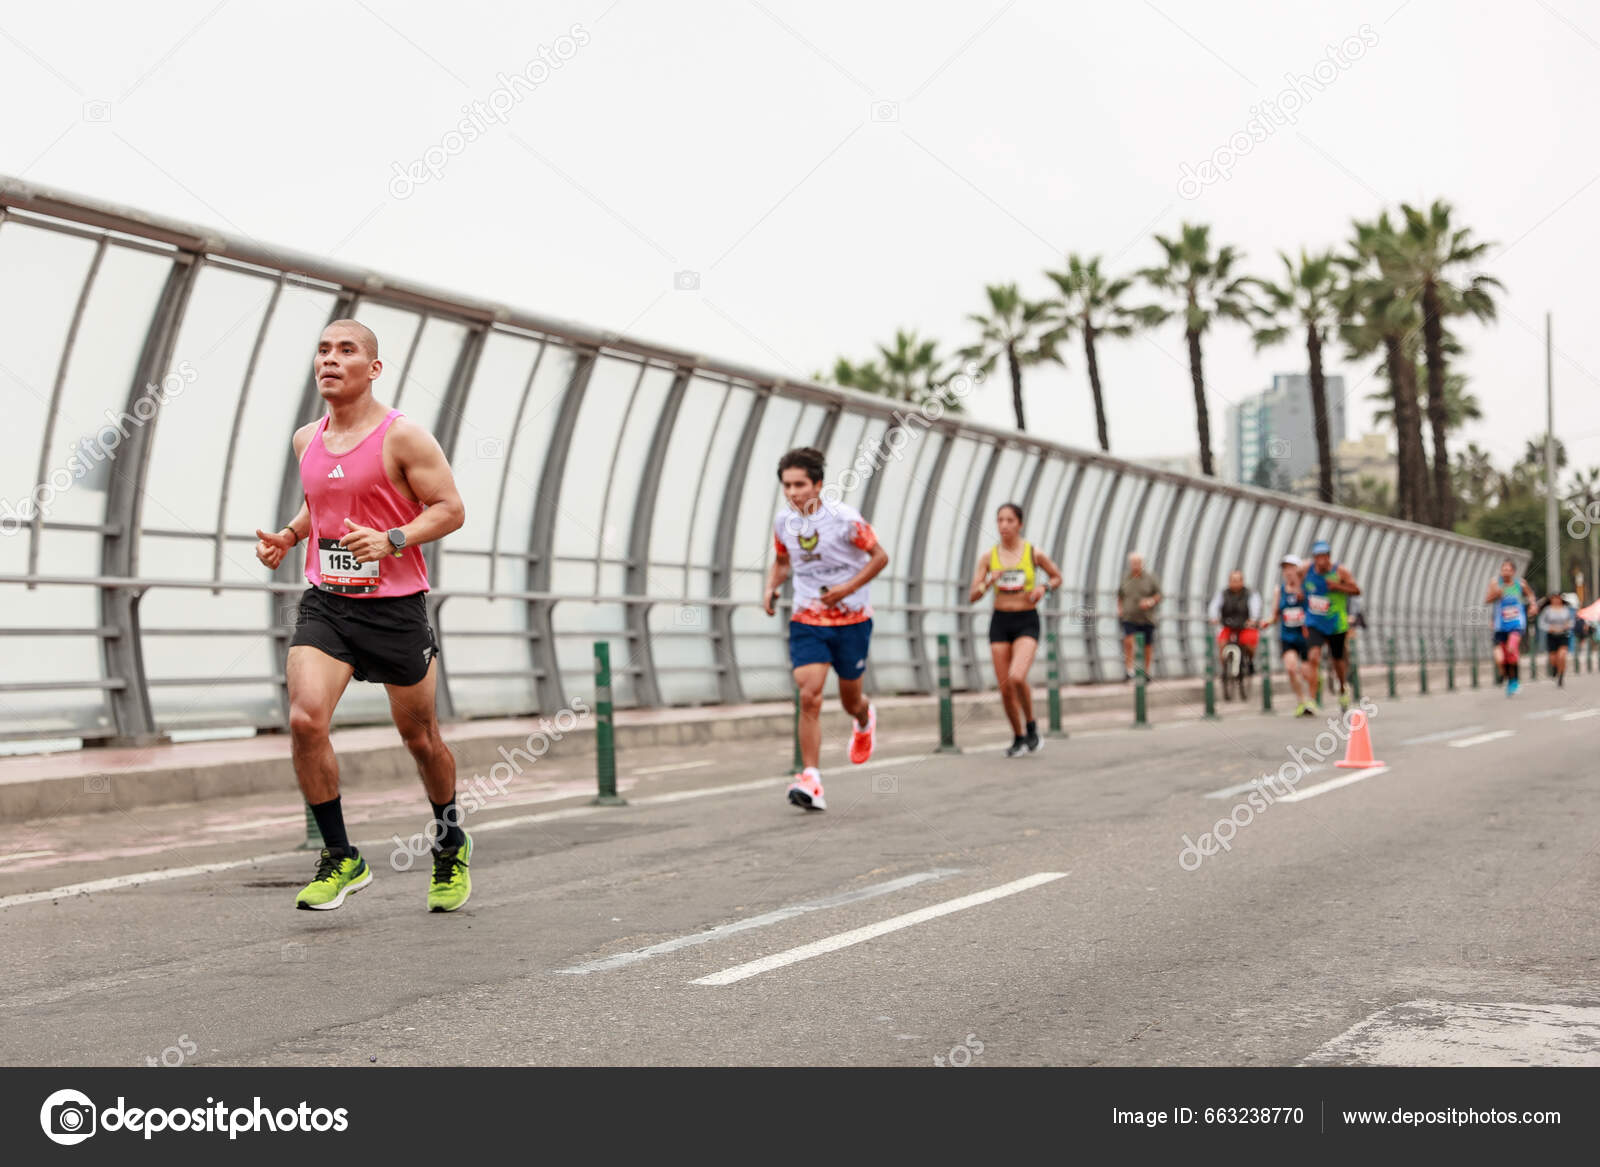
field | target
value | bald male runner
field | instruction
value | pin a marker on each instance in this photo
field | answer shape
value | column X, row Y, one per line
column 377, row 487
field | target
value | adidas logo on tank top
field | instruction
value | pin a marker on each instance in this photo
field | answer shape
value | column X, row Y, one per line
column 336, row 472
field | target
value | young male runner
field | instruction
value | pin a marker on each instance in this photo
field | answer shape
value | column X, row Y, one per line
column 377, row 487
column 1328, row 587
column 1509, row 594
column 832, row 554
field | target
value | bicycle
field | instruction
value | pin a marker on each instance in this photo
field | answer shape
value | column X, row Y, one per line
column 1235, row 668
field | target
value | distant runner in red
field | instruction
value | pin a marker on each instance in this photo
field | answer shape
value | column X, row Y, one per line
column 832, row 554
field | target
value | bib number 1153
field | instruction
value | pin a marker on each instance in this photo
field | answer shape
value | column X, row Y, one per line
column 341, row 573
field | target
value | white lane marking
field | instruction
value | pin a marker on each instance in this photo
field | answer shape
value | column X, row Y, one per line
column 860, row 935
column 1478, row 740
column 1442, row 735
column 1333, row 784
column 19, row 855
column 619, row 960
column 1580, row 715
column 137, row 879
column 1542, row 713
column 670, row 767
column 120, row 881
column 1251, row 785
column 1469, row 1033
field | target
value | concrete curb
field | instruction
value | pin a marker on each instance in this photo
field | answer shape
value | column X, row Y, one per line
column 760, row 730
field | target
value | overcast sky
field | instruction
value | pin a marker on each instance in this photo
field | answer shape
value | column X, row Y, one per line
column 831, row 171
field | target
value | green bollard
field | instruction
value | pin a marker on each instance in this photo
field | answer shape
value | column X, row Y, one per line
column 1450, row 664
column 1422, row 662
column 1211, row 684
column 605, row 740
column 1474, row 662
column 1533, row 656
column 1355, row 672
column 313, row 839
column 1266, row 674
column 799, row 759
column 1055, row 687
column 947, row 716
column 1392, row 693
column 1141, row 718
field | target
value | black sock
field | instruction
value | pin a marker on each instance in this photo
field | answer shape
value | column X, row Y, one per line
column 330, row 824
column 447, row 824
column 1516, row 669
column 1033, row 729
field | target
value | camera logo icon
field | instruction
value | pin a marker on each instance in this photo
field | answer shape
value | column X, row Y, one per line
column 885, row 784
column 686, row 281
column 1278, row 449
column 68, row 1117
column 885, row 111
column 490, row 449
column 97, row 111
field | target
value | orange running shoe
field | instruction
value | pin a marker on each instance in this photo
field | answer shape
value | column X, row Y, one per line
column 806, row 791
column 862, row 740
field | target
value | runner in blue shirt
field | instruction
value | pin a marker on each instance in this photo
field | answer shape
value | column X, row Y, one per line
column 1509, row 594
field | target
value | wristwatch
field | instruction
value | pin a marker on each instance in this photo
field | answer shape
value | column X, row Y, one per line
column 397, row 538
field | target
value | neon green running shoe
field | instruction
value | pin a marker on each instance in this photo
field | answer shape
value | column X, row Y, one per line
column 1344, row 699
column 337, row 876
column 452, row 883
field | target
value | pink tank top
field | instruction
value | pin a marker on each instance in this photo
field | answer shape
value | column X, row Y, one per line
column 354, row 485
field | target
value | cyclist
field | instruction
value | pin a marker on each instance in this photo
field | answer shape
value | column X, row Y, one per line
column 1237, row 610
column 1290, row 608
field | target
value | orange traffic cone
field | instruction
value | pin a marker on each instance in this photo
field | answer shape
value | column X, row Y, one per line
column 1358, row 753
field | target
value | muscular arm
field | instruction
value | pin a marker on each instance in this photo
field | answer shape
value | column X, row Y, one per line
column 427, row 472
column 1345, row 583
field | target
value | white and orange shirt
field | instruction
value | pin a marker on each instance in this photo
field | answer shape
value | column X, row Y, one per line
column 825, row 548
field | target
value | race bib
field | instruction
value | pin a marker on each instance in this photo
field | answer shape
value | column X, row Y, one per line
column 1510, row 612
column 1011, row 581
column 1320, row 605
column 1294, row 617
column 341, row 573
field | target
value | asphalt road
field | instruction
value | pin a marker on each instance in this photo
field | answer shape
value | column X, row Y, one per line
column 966, row 908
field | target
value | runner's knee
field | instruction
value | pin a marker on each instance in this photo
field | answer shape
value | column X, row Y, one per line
column 306, row 721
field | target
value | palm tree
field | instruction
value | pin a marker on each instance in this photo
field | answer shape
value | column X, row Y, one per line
column 1200, row 285
column 865, row 377
column 913, row 370
column 1020, row 329
column 1460, row 406
column 1379, row 315
column 1307, row 299
column 1474, row 478
column 1089, row 304
column 1423, row 258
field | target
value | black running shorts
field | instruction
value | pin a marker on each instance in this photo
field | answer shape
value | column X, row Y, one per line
column 386, row 639
column 1316, row 638
column 1005, row 627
